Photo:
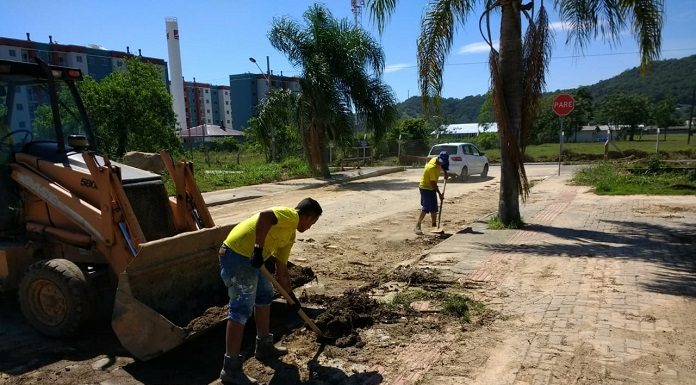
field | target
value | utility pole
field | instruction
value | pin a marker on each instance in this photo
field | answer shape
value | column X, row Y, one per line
column 267, row 76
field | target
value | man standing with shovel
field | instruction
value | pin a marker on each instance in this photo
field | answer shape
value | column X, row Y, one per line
column 428, row 188
column 248, row 245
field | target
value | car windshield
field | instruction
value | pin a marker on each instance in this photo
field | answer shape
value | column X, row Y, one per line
column 436, row 149
column 25, row 107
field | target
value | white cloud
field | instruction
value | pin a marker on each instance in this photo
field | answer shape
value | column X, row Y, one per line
column 396, row 67
column 559, row 26
column 480, row 47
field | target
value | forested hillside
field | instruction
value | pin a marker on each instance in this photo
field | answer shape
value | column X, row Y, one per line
column 453, row 110
column 673, row 77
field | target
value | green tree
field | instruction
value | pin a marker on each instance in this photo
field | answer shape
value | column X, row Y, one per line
column 131, row 110
column 410, row 129
column 341, row 67
column 518, row 67
column 276, row 119
column 486, row 114
column 582, row 113
column 665, row 114
column 625, row 110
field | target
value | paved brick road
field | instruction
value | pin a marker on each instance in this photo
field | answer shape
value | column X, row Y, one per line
column 599, row 289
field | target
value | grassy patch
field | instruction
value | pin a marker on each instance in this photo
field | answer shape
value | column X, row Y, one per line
column 454, row 305
column 675, row 147
column 220, row 171
column 614, row 179
column 496, row 224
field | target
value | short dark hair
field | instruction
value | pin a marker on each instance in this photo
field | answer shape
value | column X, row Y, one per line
column 309, row 206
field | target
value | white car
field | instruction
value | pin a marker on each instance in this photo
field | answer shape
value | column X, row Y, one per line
column 464, row 159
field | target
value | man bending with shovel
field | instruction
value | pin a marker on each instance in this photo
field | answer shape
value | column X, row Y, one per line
column 428, row 188
column 242, row 254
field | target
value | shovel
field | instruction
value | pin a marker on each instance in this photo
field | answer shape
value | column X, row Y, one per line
column 439, row 229
column 287, row 297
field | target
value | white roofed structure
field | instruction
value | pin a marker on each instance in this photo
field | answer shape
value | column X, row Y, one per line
column 465, row 129
column 207, row 133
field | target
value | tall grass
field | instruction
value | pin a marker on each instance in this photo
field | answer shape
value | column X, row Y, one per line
column 613, row 179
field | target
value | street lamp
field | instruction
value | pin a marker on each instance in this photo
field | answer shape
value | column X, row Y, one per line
column 268, row 90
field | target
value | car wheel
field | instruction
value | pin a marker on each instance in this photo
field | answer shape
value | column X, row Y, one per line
column 54, row 297
column 484, row 173
column 464, row 175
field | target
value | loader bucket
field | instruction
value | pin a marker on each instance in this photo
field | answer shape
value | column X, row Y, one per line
column 169, row 284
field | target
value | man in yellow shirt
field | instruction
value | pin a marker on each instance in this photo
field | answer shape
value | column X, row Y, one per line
column 270, row 233
column 428, row 188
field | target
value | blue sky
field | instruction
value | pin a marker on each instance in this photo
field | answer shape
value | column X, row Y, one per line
column 218, row 37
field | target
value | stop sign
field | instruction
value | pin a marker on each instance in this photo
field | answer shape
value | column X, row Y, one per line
column 563, row 104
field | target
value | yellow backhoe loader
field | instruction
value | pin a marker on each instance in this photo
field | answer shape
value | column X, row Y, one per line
column 80, row 234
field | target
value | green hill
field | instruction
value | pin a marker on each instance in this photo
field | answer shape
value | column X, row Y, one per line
column 676, row 77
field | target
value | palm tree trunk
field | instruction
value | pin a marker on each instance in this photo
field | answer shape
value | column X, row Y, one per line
column 511, row 77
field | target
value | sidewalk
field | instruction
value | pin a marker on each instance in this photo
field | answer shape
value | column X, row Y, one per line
column 597, row 289
column 221, row 197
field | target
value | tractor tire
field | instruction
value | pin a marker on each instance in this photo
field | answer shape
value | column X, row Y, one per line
column 464, row 175
column 54, row 297
column 484, row 173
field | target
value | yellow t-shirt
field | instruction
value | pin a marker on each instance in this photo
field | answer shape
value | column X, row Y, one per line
column 279, row 239
column 431, row 173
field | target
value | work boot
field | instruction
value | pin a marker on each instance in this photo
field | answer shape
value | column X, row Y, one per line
column 233, row 373
column 266, row 349
column 418, row 230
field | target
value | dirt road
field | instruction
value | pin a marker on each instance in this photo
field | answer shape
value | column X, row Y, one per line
column 364, row 235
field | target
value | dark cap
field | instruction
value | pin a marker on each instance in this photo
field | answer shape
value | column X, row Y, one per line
column 444, row 160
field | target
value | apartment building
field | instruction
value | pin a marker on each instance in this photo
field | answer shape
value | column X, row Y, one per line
column 248, row 90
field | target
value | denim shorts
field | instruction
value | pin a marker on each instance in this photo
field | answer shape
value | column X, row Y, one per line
column 246, row 286
column 428, row 201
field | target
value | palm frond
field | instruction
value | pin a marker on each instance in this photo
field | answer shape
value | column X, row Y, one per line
column 647, row 26
column 536, row 53
column 381, row 11
column 588, row 19
column 438, row 26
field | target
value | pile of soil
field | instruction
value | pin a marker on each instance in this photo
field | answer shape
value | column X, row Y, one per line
column 300, row 275
column 349, row 312
column 414, row 276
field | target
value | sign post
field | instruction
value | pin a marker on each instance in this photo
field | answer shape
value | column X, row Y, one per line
column 563, row 104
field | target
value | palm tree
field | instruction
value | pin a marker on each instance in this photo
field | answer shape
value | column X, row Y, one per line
column 519, row 65
column 341, row 67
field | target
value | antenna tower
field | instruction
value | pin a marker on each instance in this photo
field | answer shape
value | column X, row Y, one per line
column 356, row 6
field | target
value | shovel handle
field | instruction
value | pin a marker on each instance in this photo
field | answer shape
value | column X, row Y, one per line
column 287, row 297
column 439, row 214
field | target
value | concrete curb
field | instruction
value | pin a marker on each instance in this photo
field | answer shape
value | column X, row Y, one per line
column 210, row 202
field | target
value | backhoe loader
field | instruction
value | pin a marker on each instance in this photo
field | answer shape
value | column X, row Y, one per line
column 80, row 233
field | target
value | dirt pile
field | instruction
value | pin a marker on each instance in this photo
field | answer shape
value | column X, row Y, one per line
column 349, row 312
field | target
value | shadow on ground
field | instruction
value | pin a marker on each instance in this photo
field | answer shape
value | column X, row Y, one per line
column 672, row 248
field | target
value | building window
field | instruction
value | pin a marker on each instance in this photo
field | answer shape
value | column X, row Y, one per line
column 13, row 53
column 206, row 90
column 79, row 59
column 119, row 63
column 20, row 107
column 227, row 112
column 227, row 102
column 207, row 101
column 61, row 60
column 209, row 121
column 22, row 124
column 228, row 120
column 225, row 93
column 24, row 56
column 208, row 111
